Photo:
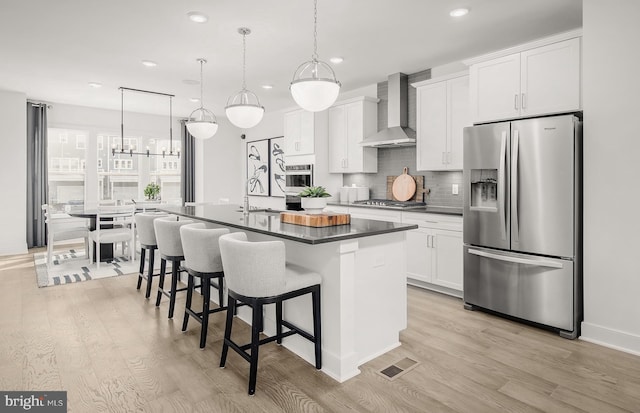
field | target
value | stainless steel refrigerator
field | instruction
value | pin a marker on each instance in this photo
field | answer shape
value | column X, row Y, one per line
column 522, row 220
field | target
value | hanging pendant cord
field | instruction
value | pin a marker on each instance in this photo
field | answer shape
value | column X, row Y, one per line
column 201, row 102
column 315, row 30
column 244, row 60
column 170, row 125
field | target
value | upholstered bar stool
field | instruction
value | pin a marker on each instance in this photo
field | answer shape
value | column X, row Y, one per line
column 170, row 248
column 256, row 274
column 202, row 260
column 147, row 237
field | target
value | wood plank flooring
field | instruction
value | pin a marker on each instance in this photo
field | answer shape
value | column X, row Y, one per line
column 113, row 351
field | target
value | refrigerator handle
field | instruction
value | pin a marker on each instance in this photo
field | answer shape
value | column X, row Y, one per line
column 514, row 185
column 502, row 185
column 517, row 260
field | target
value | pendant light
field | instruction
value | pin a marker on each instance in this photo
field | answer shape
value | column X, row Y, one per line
column 314, row 86
column 243, row 109
column 204, row 125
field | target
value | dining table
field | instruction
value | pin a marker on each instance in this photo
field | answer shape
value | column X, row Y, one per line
column 91, row 213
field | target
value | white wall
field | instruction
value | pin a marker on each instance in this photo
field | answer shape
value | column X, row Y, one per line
column 13, row 172
column 222, row 168
column 611, row 175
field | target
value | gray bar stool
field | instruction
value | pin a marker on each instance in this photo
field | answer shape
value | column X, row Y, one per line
column 170, row 248
column 202, row 260
column 256, row 274
column 147, row 237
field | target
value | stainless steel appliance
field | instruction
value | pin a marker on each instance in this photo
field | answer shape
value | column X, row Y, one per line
column 297, row 177
column 522, row 220
column 389, row 203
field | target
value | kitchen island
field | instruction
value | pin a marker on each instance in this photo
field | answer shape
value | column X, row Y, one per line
column 363, row 269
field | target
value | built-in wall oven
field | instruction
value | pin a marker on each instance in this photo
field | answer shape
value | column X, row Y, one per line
column 297, row 178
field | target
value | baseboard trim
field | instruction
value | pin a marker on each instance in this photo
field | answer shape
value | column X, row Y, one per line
column 611, row 338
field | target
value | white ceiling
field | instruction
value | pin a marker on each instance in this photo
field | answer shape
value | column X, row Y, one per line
column 51, row 49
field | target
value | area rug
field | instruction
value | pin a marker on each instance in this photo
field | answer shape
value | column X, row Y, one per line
column 72, row 266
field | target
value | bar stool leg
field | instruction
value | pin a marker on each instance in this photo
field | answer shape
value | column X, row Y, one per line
column 185, row 321
column 231, row 304
column 163, row 269
column 317, row 334
column 205, row 286
column 220, row 292
column 279, row 321
column 150, row 273
column 174, row 286
column 256, row 322
column 142, row 251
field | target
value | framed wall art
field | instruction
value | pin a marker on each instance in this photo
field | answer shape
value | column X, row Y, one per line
column 277, row 180
column 258, row 168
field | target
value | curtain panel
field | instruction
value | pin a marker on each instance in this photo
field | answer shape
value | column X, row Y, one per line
column 37, row 176
column 187, row 183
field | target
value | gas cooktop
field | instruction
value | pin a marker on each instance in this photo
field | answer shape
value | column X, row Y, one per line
column 390, row 203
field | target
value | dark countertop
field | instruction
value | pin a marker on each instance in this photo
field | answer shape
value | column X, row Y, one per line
column 268, row 222
column 429, row 209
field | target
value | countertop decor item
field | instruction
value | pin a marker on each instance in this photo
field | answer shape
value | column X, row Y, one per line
column 404, row 186
column 314, row 199
column 243, row 109
column 314, row 86
column 152, row 191
column 205, row 124
column 315, row 220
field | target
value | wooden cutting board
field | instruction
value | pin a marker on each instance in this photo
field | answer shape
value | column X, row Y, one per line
column 327, row 219
column 420, row 189
column 404, row 186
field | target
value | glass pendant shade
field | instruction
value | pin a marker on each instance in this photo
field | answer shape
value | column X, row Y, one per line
column 243, row 109
column 204, row 126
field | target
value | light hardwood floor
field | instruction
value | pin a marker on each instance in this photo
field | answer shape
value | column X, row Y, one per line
column 112, row 350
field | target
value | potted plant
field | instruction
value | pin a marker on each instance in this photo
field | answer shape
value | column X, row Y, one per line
column 152, row 191
column 313, row 199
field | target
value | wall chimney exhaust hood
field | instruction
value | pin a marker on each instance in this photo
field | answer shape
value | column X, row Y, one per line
column 397, row 133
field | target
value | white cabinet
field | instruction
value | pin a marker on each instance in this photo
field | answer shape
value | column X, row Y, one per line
column 299, row 132
column 538, row 81
column 442, row 114
column 349, row 123
column 338, row 209
column 434, row 252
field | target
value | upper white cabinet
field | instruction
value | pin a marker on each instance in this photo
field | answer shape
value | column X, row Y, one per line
column 442, row 114
column 349, row 123
column 536, row 81
column 299, row 132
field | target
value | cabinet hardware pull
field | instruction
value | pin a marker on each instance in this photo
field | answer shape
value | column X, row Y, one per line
column 524, row 102
column 515, row 102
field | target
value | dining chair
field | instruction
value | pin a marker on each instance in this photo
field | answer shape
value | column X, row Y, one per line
column 115, row 223
column 62, row 227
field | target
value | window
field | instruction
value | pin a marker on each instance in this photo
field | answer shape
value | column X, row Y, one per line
column 99, row 163
column 66, row 167
column 80, row 141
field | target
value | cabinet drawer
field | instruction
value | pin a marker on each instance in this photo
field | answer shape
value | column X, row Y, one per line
column 439, row 221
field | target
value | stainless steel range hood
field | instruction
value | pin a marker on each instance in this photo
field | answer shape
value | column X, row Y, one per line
column 397, row 133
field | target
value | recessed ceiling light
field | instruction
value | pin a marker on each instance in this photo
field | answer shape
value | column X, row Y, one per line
column 194, row 100
column 267, row 86
column 149, row 63
column 95, row 84
column 458, row 12
column 196, row 16
column 336, row 60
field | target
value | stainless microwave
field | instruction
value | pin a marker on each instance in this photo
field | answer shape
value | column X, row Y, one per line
column 298, row 176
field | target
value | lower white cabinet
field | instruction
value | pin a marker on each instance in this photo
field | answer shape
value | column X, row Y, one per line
column 434, row 252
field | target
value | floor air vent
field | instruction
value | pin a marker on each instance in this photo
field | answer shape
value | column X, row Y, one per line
column 398, row 369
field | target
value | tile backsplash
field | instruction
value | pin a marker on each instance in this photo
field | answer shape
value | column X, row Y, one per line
column 391, row 161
